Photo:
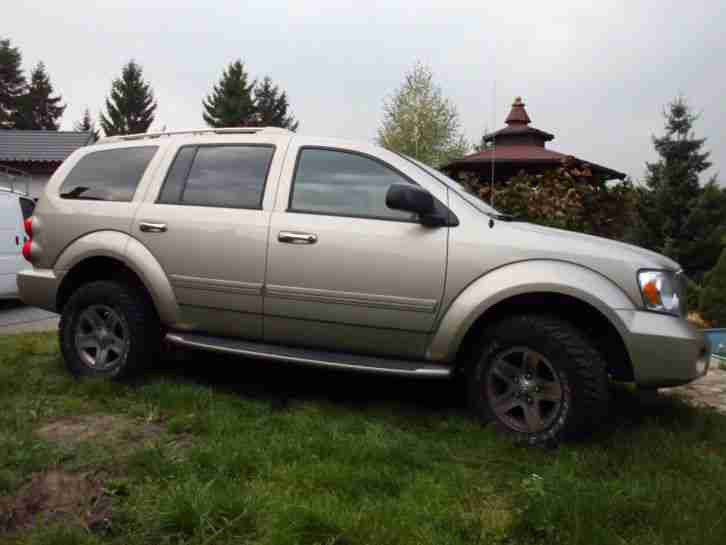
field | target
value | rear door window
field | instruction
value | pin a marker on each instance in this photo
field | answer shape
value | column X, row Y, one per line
column 227, row 176
column 108, row 175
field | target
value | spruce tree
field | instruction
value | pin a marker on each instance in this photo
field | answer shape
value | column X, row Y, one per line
column 230, row 104
column 131, row 105
column 271, row 106
column 38, row 109
column 672, row 184
column 12, row 83
column 86, row 124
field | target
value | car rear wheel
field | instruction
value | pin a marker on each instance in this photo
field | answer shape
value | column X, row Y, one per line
column 538, row 379
column 108, row 329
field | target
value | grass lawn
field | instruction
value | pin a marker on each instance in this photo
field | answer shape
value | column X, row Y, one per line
column 215, row 450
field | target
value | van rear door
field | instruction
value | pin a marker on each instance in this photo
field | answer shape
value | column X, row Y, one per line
column 11, row 242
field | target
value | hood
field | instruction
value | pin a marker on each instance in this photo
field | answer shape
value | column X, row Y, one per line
column 579, row 244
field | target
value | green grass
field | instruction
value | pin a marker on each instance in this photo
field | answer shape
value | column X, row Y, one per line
column 253, row 452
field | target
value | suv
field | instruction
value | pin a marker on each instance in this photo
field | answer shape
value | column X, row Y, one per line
column 261, row 242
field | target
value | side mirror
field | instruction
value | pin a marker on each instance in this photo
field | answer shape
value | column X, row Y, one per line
column 410, row 198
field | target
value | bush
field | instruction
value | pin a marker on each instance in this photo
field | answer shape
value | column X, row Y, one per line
column 713, row 293
column 693, row 295
column 566, row 197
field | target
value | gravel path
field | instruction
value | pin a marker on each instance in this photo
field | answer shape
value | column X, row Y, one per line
column 709, row 390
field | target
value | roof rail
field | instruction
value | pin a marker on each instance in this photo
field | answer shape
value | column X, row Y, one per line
column 222, row 130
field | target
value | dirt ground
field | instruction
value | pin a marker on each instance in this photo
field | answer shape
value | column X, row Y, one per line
column 104, row 428
column 81, row 499
column 57, row 496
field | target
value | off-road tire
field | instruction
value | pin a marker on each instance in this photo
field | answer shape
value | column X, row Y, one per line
column 580, row 368
column 140, row 318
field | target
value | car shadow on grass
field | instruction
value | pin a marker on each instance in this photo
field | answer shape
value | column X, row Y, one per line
column 284, row 385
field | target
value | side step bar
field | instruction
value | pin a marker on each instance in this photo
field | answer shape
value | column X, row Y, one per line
column 318, row 358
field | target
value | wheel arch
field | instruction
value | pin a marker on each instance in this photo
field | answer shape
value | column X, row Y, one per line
column 115, row 255
column 569, row 291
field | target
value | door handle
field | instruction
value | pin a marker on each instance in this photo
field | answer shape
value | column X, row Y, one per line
column 291, row 237
column 148, row 227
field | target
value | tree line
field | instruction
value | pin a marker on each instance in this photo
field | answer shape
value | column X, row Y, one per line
column 235, row 100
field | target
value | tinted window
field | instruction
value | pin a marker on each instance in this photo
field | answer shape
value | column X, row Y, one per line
column 345, row 184
column 177, row 175
column 226, row 176
column 110, row 175
column 27, row 206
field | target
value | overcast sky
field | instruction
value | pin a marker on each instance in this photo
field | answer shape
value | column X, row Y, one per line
column 595, row 74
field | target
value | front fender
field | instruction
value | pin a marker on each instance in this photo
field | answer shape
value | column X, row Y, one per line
column 133, row 254
column 524, row 277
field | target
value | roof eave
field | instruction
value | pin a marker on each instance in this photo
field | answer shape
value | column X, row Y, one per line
column 461, row 164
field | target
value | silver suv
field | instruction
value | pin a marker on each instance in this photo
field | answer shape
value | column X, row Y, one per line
column 265, row 243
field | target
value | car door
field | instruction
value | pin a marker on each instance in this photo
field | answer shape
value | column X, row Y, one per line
column 345, row 272
column 206, row 223
column 11, row 223
column 14, row 210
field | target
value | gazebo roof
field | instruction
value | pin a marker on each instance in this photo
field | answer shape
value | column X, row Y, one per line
column 518, row 126
column 523, row 155
column 518, row 145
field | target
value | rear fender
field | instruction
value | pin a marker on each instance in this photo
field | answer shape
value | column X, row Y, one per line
column 135, row 256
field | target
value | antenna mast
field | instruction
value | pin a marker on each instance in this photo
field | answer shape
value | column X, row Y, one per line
column 494, row 144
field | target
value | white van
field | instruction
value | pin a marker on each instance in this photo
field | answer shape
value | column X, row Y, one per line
column 14, row 209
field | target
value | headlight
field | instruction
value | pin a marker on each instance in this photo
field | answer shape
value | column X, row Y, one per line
column 663, row 291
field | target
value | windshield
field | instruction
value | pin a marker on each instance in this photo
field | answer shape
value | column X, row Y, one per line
column 455, row 186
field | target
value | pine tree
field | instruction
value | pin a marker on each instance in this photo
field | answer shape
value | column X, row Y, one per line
column 38, row 109
column 12, row 83
column 420, row 122
column 271, row 106
column 131, row 105
column 86, row 124
column 672, row 184
column 230, row 104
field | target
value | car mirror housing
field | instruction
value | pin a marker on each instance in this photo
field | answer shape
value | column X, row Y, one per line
column 410, row 198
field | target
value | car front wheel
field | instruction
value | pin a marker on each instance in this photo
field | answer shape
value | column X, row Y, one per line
column 538, row 379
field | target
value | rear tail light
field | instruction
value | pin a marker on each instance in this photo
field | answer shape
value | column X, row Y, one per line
column 27, row 247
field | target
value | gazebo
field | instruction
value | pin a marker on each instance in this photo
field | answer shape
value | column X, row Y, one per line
column 518, row 147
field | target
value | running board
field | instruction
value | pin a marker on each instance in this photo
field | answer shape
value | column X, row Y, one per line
column 318, row 358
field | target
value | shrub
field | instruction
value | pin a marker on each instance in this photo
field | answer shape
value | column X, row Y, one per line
column 567, row 197
column 693, row 295
column 713, row 293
